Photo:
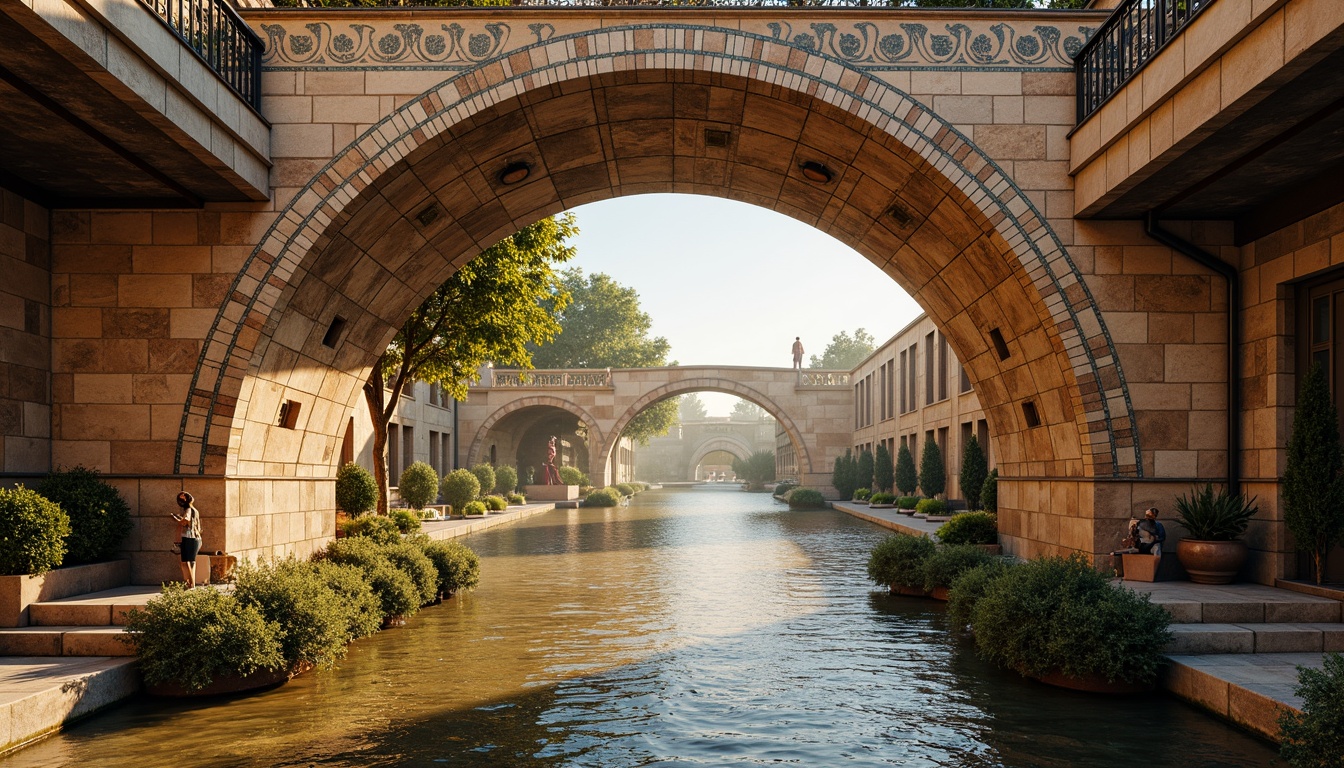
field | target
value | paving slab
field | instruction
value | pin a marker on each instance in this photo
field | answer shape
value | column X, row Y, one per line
column 458, row 527
column 889, row 518
column 1248, row 689
column 38, row 695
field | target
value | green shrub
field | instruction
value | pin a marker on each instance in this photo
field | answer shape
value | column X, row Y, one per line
column 907, row 502
column 783, row 488
column 883, row 476
column 495, row 503
column 356, row 492
column 457, row 566
column 881, row 498
column 473, row 508
column 625, row 488
column 950, row 561
column 603, row 497
column 806, row 498
column 1315, row 737
column 931, row 507
column 410, row 559
column 99, row 518
column 967, row 589
column 312, row 624
column 906, row 479
column 572, row 476
column 863, row 470
column 33, row 531
column 898, row 560
column 862, row 494
column 405, row 520
column 485, row 475
column 1062, row 615
column 517, row 498
column 844, row 475
column 459, row 487
column 419, row 485
column 1209, row 516
column 381, row 529
column 192, row 636
column 397, row 593
column 932, row 470
column 970, row 528
column 506, row 480
column 1313, row 486
column 989, row 494
column 363, row 609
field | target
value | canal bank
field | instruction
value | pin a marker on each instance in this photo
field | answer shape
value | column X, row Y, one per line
column 1237, row 647
column 40, row 695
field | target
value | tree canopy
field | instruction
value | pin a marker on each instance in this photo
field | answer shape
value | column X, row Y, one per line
column 845, row 351
column 692, row 408
column 745, row 410
column 602, row 326
column 757, row 469
column 492, row 309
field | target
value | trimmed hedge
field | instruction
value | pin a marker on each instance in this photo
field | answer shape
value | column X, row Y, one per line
column 356, row 491
column 459, row 487
column 907, row 502
column 410, row 559
column 397, row 592
column 506, row 480
column 473, row 508
column 626, row 489
column 970, row 528
column 882, row 498
column 419, row 485
column 898, row 560
column 99, row 518
column 33, row 532
column 806, row 498
column 1315, row 737
column 405, row 520
column 311, row 619
column 381, row 529
column 950, row 561
column 458, row 567
column 967, row 589
column 517, row 498
column 573, row 476
column 485, row 476
column 495, row 503
column 931, row 507
column 603, row 497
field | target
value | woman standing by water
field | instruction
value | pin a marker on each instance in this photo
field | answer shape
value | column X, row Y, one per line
column 190, row 521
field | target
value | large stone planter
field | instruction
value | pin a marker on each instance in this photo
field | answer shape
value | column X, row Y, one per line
column 551, row 492
column 1094, row 684
column 226, row 684
column 19, row 592
column 1211, row 562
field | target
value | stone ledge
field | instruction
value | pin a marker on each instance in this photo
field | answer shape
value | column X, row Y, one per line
column 40, row 695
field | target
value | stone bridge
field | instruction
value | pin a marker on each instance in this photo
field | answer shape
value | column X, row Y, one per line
column 814, row 408
column 206, row 231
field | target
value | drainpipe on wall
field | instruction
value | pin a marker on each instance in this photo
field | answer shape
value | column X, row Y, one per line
column 1229, row 273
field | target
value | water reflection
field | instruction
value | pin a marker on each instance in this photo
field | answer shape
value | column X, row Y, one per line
column 701, row 627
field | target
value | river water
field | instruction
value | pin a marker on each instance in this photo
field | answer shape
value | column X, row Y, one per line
column 701, row 627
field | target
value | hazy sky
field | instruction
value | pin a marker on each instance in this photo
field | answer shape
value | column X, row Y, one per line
column 731, row 284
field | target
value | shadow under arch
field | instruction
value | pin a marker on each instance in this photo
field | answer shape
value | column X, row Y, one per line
column 601, row 459
column 476, row 453
column 908, row 189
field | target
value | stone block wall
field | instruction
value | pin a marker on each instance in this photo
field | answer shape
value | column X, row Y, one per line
column 25, row 336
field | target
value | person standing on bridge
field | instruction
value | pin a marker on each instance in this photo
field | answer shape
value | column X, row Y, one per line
column 798, row 352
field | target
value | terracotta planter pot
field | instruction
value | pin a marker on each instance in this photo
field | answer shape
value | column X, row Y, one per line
column 939, row 593
column 1211, row 562
column 1094, row 684
column 906, row 511
column 881, row 506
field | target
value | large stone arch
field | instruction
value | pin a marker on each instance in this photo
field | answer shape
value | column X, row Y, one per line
column 476, row 453
column 416, row 196
column 726, row 443
column 601, row 459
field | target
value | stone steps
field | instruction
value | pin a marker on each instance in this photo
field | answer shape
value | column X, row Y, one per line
column 96, row 609
column 64, row 641
column 1256, row 637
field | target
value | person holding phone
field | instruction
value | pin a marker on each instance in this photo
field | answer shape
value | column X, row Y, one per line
column 190, row 521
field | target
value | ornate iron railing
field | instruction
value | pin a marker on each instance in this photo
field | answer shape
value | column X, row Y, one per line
column 213, row 30
column 823, row 378
column 1126, row 41
column 569, row 379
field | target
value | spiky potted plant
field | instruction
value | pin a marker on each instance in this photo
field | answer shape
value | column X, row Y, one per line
column 1213, row 552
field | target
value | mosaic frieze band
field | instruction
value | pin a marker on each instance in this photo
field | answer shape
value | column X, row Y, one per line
column 241, row 323
column 976, row 45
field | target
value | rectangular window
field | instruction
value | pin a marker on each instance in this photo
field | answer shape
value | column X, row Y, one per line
column 914, row 364
column 393, row 452
column 942, row 367
column 929, row 391
column 446, row 452
column 891, row 386
column 407, row 447
column 868, row 400
column 434, row 452
column 882, row 399
column 965, row 380
column 982, row 435
column 904, row 396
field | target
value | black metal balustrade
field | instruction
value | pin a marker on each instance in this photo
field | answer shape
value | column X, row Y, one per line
column 214, row 31
column 1132, row 36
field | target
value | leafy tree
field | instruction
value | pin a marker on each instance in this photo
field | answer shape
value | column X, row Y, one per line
column 757, row 469
column 602, row 326
column 692, row 408
column 356, row 492
column 974, row 470
column 863, row 470
column 844, row 352
column 932, row 471
column 745, row 410
column 882, row 470
column 419, row 485
column 1313, row 491
column 907, row 480
column 844, row 476
column 490, row 310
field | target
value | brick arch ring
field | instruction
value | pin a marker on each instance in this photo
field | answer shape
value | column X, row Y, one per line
column 687, row 386
column 211, row 425
column 477, row 452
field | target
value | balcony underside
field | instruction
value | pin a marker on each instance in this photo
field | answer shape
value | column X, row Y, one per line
column 1276, row 162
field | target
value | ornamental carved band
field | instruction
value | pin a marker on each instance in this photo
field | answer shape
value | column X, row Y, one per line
column 555, row 379
column 976, row 45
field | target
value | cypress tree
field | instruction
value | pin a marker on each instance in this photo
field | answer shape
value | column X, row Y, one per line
column 932, row 472
column 1313, row 491
column 863, row 470
column 882, row 475
column 844, row 475
column 989, row 493
column 907, row 480
column 974, row 470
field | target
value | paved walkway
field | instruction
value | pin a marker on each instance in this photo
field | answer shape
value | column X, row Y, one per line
column 1251, row 687
column 457, row 527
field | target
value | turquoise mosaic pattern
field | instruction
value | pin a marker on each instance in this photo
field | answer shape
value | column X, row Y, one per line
column 228, row 353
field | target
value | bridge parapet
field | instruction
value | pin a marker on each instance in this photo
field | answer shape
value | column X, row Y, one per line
column 824, row 380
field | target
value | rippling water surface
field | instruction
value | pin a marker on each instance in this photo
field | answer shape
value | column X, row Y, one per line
column 695, row 627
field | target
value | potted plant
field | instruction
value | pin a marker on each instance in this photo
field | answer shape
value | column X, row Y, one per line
column 881, row 501
column 861, row 496
column 1213, row 553
column 906, row 504
column 947, row 563
column 897, row 562
column 933, row 510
